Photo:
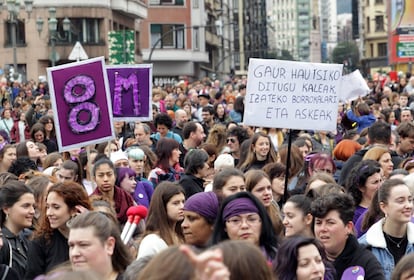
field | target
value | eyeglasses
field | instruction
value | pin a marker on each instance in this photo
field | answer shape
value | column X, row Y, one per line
column 251, row 220
column 232, row 140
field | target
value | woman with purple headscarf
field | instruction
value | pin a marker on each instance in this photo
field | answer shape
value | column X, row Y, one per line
column 200, row 212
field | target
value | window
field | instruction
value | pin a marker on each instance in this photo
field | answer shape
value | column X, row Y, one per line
column 196, row 4
column 20, row 34
column 379, row 2
column 85, row 30
column 368, row 25
column 167, row 3
column 167, row 36
column 379, row 23
column 382, row 49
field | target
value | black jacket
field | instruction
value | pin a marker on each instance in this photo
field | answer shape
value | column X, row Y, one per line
column 191, row 184
column 44, row 254
column 355, row 254
column 19, row 246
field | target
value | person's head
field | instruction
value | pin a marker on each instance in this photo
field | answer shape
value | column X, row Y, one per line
column 207, row 114
column 38, row 132
column 119, row 159
column 174, row 264
column 7, row 155
column 228, row 181
column 297, row 217
column 223, row 161
column 22, row 165
column 319, row 162
column 276, row 172
column 194, row 132
column 258, row 183
column 125, row 179
column 364, row 180
column 383, row 156
column 243, row 217
column 53, row 159
column 300, row 258
column 379, row 133
column 107, row 148
column 406, row 115
column 163, row 123
column 235, row 136
column 200, row 212
column 180, row 118
column 165, row 212
column 303, row 146
column 406, row 132
column 261, row 148
column 395, row 201
column 69, row 171
column 104, row 251
column 136, row 158
column 244, row 260
column 48, row 123
column 333, row 216
column 40, row 185
column 105, row 175
column 196, row 163
column 28, row 149
column 62, row 200
column 404, row 270
column 317, row 180
column 142, row 133
column 403, row 99
column 296, row 159
column 168, row 153
column 345, row 149
column 17, row 206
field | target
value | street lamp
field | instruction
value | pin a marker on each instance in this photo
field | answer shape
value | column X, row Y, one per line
column 54, row 35
column 13, row 7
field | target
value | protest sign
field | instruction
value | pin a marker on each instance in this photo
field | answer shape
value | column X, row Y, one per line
column 81, row 103
column 352, row 86
column 131, row 91
column 290, row 94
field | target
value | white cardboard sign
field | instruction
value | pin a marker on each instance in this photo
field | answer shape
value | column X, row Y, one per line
column 293, row 95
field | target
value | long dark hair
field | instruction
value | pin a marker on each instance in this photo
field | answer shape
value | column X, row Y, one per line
column 157, row 220
column 267, row 238
column 10, row 193
column 287, row 257
column 165, row 147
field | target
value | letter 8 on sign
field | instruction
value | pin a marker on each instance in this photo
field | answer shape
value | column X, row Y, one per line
column 83, row 116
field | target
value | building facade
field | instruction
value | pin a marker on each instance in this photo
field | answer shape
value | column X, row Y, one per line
column 90, row 22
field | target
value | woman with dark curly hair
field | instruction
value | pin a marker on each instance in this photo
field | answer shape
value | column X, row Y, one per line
column 363, row 181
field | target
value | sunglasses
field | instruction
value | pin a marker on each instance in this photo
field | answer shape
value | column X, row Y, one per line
column 232, row 140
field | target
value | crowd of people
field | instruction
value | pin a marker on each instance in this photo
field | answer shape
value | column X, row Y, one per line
column 196, row 194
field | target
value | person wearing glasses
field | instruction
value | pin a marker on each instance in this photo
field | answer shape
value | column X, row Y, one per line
column 235, row 137
column 243, row 217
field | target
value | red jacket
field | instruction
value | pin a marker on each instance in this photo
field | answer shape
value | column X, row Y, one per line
column 15, row 134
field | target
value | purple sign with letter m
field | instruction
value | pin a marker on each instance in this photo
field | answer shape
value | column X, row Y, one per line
column 131, row 90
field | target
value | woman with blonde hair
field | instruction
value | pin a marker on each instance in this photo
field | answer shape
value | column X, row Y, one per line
column 383, row 156
column 218, row 137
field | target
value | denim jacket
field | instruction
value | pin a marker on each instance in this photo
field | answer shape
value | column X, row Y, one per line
column 376, row 239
